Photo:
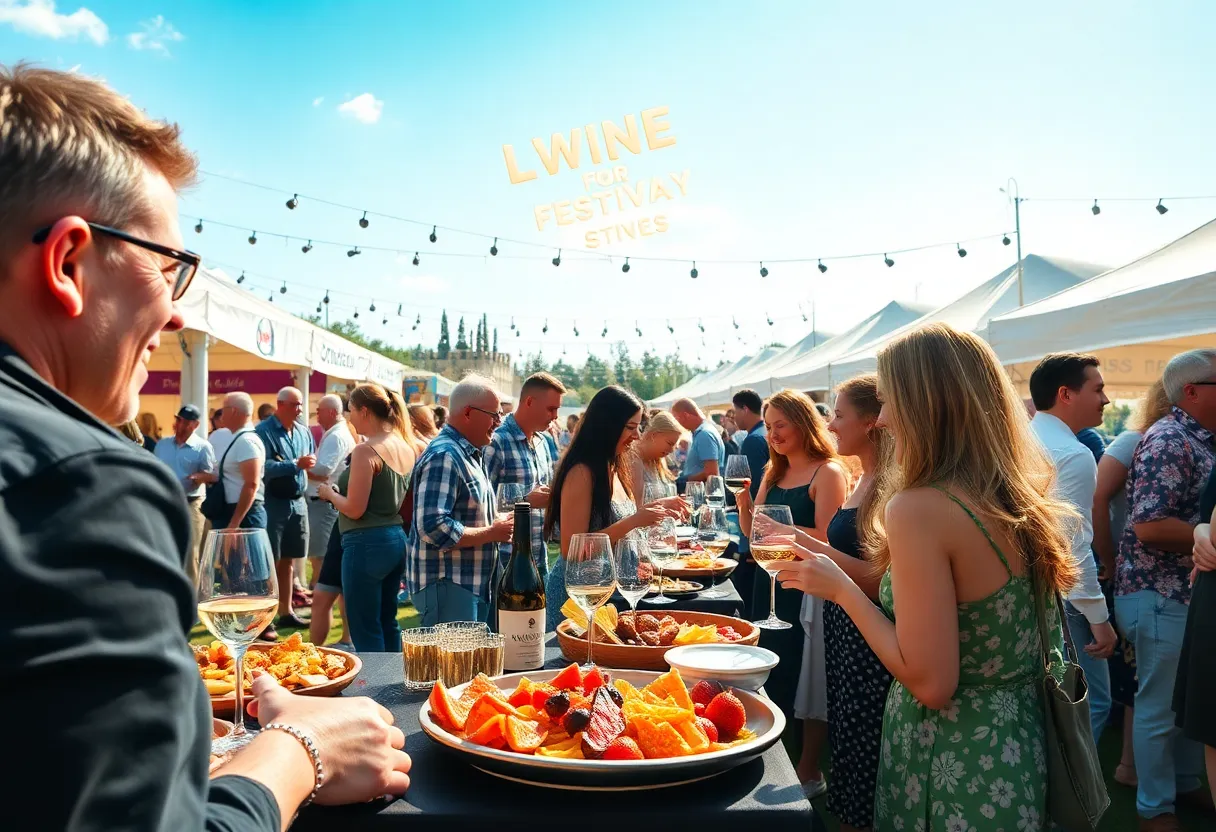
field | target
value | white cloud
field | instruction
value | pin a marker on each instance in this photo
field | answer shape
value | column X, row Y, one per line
column 365, row 108
column 39, row 18
column 156, row 35
column 424, row 284
column 316, row 102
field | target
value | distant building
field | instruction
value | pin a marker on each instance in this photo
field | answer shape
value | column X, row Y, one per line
column 495, row 366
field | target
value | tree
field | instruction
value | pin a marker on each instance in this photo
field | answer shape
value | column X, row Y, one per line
column 566, row 374
column 445, row 345
column 535, row 364
column 495, row 340
column 1114, row 420
column 461, row 343
column 485, row 333
column 622, row 364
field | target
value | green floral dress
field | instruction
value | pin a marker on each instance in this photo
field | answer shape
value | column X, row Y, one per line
column 979, row 764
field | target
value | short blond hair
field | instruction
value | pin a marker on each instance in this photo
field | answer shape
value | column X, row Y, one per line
column 70, row 144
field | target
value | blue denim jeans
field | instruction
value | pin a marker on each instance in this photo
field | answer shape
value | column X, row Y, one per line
column 373, row 561
column 1097, row 671
column 443, row 601
column 1166, row 762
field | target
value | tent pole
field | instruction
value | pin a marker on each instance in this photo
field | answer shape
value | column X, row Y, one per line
column 194, row 376
column 1017, row 223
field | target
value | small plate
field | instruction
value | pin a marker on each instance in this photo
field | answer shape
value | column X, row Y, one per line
column 692, row 589
column 735, row 665
column 722, row 569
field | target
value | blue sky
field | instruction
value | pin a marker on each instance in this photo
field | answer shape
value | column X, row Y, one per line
column 808, row 129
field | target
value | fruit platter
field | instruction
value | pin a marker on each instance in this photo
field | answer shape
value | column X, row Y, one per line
column 623, row 641
column 600, row 729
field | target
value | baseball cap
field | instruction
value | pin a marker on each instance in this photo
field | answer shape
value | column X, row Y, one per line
column 190, row 413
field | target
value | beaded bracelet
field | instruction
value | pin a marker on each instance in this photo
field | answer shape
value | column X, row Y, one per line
column 311, row 747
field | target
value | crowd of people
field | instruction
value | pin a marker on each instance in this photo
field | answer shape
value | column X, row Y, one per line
column 930, row 515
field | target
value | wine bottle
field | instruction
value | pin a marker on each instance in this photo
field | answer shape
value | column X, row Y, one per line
column 521, row 601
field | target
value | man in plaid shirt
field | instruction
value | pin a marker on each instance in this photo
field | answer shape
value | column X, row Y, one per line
column 519, row 455
column 453, row 537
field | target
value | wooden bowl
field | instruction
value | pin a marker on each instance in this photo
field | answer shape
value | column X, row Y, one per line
column 630, row 657
column 226, row 704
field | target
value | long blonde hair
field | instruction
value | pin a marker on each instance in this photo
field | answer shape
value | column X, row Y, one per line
column 816, row 441
column 964, row 428
column 1155, row 404
column 862, row 393
column 660, row 421
column 148, row 425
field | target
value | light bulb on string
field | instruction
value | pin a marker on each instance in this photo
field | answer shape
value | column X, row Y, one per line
column 512, row 323
column 307, row 247
column 763, row 271
column 822, row 268
column 253, row 238
column 625, row 268
column 363, row 223
column 734, row 322
column 372, row 308
column 670, row 328
column 318, row 309
column 693, row 273
column 385, row 321
column 399, row 309
column 604, row 334
column 576, row 329
column 1096, row 210
column 415, row 258
column 800, row 309
column 198, row 227
column 770, row 318
column 326, row 298
column 1161, row 209
column 637, row 329
column 417, row 321
column 1005, row 240
column 701, row 325
column 545, row 329
column 886, row 259
column 293, row 202
column 356, row 312
column 353, row 252
column 241, row 279
column 283, row 288
column 270, row 297
column 557, row 261
column 434, row 236
column 962, row 252
column 494, row 248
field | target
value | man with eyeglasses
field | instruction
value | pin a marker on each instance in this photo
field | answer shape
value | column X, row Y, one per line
column 102, row 687
column 452, row 542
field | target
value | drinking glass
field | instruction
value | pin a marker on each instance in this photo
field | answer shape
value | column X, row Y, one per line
column 695, row 492
column 664, row 550
column 488, row 654
column 510, row 493
column 634, row 569
column 458, row 651
column 237, row 599
column 590, row 578
column 772, row 543
column 715, row 491
column 714, row 536
column 657, row 491
column 420, row 653
column 738, row 473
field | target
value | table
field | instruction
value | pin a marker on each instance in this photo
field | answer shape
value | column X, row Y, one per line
column 446, row 793
column 732, row 604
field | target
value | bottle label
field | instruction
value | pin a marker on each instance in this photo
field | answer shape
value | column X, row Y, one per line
column 523, row 639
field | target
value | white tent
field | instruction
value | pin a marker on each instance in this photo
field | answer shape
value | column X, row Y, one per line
column 808, row 370
column 758, row 369
column 698, row 384
column 676, row 392
column 1041, row 278
column 1167, row 295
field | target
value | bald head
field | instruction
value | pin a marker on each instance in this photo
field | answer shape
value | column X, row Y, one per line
column 687, row 414
column 329, row 411
column 237, row 412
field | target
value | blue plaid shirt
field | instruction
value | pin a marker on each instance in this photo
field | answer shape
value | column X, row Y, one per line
column 451, row 492
column 511, row 458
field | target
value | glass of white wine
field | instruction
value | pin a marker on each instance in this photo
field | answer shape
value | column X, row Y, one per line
column 714, row 536
column 695, row 492
column 738, row 473
column 590, row 578
column 237, row 599
column 772, row 543
column 715, row 492
column 634, row 570
column 664, row 551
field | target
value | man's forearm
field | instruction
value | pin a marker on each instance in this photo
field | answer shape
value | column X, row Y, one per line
column 475, row 536
column 243, row 503
column 1170, row 534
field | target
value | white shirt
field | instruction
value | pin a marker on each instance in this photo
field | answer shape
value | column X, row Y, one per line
column 244, row 447
column 1076, row 481
column 220, row 439
column 335, row 446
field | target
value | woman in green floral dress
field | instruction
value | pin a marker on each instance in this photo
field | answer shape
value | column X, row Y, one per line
column 966, row 515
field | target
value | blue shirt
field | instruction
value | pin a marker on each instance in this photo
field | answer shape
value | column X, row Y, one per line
column 511, row 458
column 755, row 448
column 451, row 492
column 282, row 451
column 706, row 445
column 195, row 456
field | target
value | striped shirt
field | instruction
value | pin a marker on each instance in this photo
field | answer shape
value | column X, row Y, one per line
column 451, row 492
column 511, row 458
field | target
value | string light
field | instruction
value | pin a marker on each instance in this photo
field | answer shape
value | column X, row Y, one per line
column 763, row 271
column 1161, row 209
column 512, row 323
column 283, row 288
column 198, row 228
column 962, row 252
column 399, row 310
column 670, row 328
column 253, row 239
column 363, row 223
column 701, row 326
column 307, row 247
column 693, row 273
column 326, row 298
column 1096, row 210
column 770, row 318
column 356, row 312
column 604, row 334
column 318, row 309
column 1005, row 240
column 241, row 279
column 625, row 268
column 637, row 329
column 734, row 322
column 270, row 297
column 822, row 268
column 385, row 321
column 545, row 329
column 557, row 261
column 353, row 252
column 417, row 321
column 415, row 258
column 887, row 259
column 293, row 202
column 372, row 308
column 494, row 248
column 434, row 236
column 576, row 329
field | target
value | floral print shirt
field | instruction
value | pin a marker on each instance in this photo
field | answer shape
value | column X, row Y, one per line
column 1166, row 479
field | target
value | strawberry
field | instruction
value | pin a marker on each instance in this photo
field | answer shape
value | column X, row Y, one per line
column 705, row 691
column 622, row 748
column 727, row 714
column 698, row 709
column 709, row 728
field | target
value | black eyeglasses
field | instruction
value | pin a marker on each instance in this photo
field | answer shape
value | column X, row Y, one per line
column 493, row 414
column 1203, row 383
column 188, row 261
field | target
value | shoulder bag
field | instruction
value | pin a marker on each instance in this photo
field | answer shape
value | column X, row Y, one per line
column 216, row 507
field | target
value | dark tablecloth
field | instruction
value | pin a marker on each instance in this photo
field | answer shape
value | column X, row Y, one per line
column 446, row 793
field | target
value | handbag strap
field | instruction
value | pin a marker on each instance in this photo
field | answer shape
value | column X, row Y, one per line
column 224, row 455
column 1040, row 610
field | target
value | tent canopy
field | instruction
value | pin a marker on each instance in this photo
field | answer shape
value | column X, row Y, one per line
column 759, row 370
column 1041, row 278
column 1164, row 296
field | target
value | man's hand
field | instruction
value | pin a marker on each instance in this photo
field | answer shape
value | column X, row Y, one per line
column 1105, row 639
column 305, row 462
column 501, row 529
column 539, row 497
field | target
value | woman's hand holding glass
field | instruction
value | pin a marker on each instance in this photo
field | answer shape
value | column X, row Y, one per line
column 813, row 573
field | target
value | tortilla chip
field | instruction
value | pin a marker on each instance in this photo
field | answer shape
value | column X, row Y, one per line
column 671, row 684
column 659, row 739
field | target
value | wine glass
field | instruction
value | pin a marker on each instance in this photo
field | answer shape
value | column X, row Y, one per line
column 590, row 578
column 510, row 493
column 655, row 491
column 772, row 543
column 695, row 492
column 664, row 549
column 738, row 473
column 237, row 599
column 634, row 570
column 715, row 492
column 714, row 536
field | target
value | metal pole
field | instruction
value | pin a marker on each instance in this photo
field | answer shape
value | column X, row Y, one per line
column 1017, row 223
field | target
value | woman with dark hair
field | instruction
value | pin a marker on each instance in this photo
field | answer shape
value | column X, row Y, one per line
column 592, row 489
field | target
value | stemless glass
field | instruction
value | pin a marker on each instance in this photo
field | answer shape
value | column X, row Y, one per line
column 772, row 543
column 715, row 491
column 590, row 578
column 664, row 550
column 695, row 492
column 237, row 599
column 634, row 569
column 714, row 536
column 738, row 473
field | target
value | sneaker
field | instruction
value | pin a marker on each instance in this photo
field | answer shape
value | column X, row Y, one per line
column 1162, row 823
column 815, row 788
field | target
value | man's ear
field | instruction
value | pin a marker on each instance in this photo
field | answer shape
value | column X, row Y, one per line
column 61, row 263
